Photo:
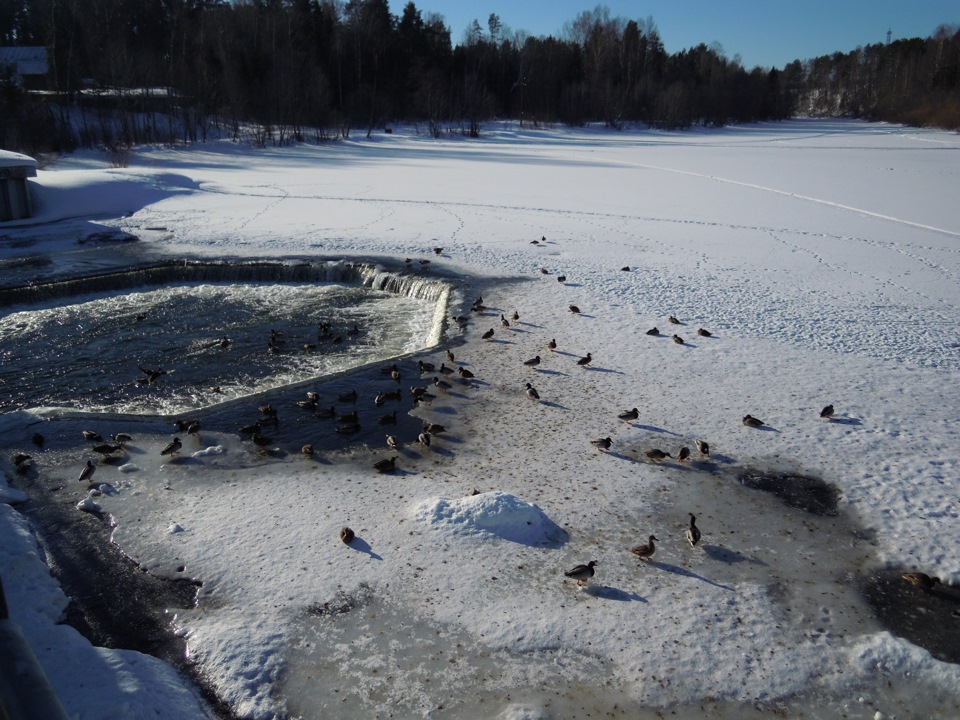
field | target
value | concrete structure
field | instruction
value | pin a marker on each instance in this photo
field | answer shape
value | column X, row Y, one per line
column 14, row 192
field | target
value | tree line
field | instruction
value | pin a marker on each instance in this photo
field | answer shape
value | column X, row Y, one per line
column 272, row 71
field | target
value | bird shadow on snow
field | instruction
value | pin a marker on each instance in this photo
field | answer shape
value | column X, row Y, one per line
column 654, row 428
column 608, row 593
column 540, row 327
column 677, row 570
column 445, row 409
column 620, row 456
column 846, row 421
column 605, row 370
column 717, row 552
column 500, row 341
column 361, row 545
column 544, row 371
column 552, row 404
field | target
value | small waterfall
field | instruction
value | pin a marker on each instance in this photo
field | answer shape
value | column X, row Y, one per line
column 190, row 271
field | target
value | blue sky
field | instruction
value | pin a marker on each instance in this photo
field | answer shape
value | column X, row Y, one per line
column 770, row 33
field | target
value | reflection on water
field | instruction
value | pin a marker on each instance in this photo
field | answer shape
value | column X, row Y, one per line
column 212, row 342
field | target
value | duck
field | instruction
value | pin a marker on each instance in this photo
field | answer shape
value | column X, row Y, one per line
column 347, row 396
column 107, row 449
column 532, row 393
column 347, row 535
column 355, row 330
column 394, row 394
column 602, row 443
column 574, row 309
column 751, row 421
column 151, row 376
column 268, row 411
column 449, row 355
column 122, row 438
column 515, row 316
column 532, row 362
column 629, row 415
column 504, row 323
column 683, row 454
column 350, row 417
column 174, row 446
column 653, row 331
column 261, row 440
column 194, row 429
column 543, row 271
column 582, row 573
column 390, row 419
column 441, row 385
column 418, row 391
column 921, row 580
column 465, row 374
column 434, row 428
column 392, row 442
column 657, row 454
column 561, row 278
column 585, row 360
column 425, row 367
column 552, row 345
column 386, row 465
column 388, row 369
column 92, row 436
column 703, row 447
column 88, row 471
column 224, row 342
column 704, row 333
column 693, row 532
column 424, row 438
column 328, row 412
column 395, row 376
column 444, row 370
column 348, row 428
column 313, row 397
column 21, row 458
column 678, row 340
column 673, row 320
column 827, row 412
column 488, row 334
column 250, row 429
column 645, row 552
column 380, row 399
column 37, row 439
column 307, row 450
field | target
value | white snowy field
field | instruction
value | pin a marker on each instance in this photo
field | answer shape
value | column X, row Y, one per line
column 824, row 258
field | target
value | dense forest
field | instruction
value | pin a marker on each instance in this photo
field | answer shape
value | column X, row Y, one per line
column 271, row 71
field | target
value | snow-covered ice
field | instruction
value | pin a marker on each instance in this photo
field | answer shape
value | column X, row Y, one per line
column 823, row 257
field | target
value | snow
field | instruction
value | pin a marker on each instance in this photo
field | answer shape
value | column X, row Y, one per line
column 822, row 255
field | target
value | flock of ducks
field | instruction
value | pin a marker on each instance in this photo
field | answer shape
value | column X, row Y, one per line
column 349, row 423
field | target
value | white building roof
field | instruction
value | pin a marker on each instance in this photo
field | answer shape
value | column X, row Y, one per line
column 12, row 159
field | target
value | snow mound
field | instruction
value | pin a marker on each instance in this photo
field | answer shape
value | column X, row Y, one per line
column 494, row 513
column 175, row 528
column 128, row 468
column 88, row 505
column 212, row 450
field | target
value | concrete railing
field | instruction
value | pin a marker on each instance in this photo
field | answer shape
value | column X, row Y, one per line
column 25, row 692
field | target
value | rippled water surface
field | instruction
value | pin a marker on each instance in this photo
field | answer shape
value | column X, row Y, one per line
column 215, row 342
